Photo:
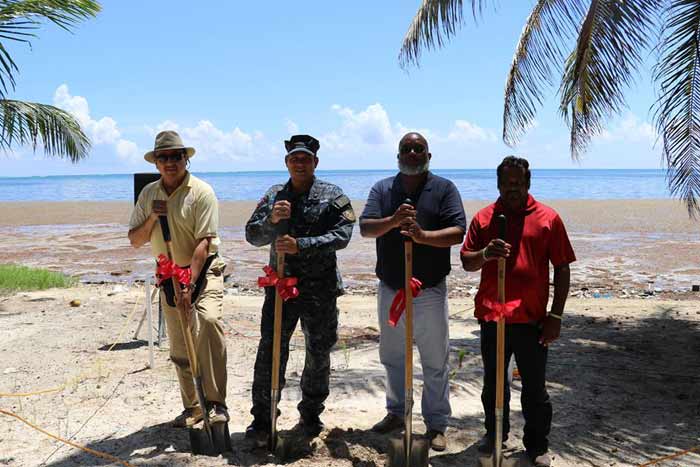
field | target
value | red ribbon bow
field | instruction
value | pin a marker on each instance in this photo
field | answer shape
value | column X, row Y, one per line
column 500, row 310
column 399, row 303
column 167, row 269
column 285, row 286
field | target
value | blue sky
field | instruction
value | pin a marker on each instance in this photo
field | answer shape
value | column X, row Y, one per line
column 237, row 78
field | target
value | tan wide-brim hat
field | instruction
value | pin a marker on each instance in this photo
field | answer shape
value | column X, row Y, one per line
column 167, row 140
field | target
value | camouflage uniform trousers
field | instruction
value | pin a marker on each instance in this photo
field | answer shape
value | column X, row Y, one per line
column 319, row 322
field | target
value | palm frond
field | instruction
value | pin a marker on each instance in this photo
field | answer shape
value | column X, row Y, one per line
column 609, row 50
column 28, row 123
column 64, row 13
column 677, row 111
column 18, row 18
column 550, row 25
column 435, row 22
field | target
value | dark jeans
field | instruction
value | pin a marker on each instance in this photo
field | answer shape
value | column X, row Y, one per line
column 319, row 322
column 531, row 357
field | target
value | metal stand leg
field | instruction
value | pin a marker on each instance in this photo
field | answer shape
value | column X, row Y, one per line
column 151, row 363
column 161, row 323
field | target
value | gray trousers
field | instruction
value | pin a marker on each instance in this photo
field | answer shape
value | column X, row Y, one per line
column 431, row 336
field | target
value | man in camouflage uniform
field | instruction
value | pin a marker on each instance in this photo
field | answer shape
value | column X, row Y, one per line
column 308, row 220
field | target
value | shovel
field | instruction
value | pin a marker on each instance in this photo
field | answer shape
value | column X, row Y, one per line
column 408, row 452
column 213, row 439
column 277, row 444
column 497, row 459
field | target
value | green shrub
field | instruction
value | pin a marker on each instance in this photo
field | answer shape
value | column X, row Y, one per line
column 14, row 278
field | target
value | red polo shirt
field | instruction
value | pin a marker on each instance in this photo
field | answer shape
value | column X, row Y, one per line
column 537, row 237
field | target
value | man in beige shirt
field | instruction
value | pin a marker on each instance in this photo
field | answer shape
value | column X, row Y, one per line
column 193, row 217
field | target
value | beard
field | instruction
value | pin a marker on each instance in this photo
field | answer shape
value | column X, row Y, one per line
column 414, row 169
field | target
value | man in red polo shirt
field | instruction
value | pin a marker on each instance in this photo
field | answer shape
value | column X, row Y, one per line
column 535, row 236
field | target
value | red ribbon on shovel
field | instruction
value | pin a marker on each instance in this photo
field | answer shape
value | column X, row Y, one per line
column 286, row 286
column 399, row 302
column 167, row 269
column 500, row 310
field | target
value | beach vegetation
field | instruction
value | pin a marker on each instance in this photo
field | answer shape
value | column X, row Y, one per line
column 593, row 50
column 17, row 278
column 31, row 123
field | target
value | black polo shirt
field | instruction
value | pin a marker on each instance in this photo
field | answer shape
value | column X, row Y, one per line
column 438, row 206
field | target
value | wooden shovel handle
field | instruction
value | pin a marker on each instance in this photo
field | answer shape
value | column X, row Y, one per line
column 277, row 327
column 184, row 326
column 408, row 258
column 501, row 325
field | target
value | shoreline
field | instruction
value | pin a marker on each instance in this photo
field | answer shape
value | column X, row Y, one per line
column 624, row 247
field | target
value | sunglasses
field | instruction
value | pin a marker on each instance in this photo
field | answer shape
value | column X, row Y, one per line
column 169, row 158
column 415, row 147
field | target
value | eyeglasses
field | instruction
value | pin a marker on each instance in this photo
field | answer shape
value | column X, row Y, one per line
column 163, row 158
column 415, row 147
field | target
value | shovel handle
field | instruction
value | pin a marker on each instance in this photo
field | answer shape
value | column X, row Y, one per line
column 276, row 350
column 165, row 228
column 277, row 327
column 500, row 332
column 501, row 224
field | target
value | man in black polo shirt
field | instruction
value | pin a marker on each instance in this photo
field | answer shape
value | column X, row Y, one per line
column 435, row 221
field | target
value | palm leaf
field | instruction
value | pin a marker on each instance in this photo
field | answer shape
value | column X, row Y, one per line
column 435, row 22
column 608, row 52
column 550, row 25
column 27, row 123
column 677, row 111
column 64, row 13
column 19, row 17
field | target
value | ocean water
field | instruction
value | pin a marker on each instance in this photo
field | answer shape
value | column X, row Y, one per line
column 472, row 184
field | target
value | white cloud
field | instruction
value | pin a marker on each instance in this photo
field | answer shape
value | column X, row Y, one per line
column 465, row 131
column 103, row 131
column 212, row 142
column 629, row 129
column 128, row 150
column 292, row 127
column 369, row 127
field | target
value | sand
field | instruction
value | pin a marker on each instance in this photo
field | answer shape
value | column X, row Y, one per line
column 623, row 378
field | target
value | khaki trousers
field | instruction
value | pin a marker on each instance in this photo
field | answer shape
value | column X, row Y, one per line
column 209, row 341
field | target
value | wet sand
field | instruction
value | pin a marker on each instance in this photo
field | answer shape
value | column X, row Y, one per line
column 621, row 245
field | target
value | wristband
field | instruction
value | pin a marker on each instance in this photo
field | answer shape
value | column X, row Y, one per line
column 483, row 254
column 556, row 316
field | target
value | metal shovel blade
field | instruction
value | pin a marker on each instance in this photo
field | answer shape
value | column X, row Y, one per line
column 214, row 443
column 493, row 461
column 280, row 446
column 397, row 453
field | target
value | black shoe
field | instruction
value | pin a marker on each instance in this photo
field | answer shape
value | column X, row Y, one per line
column 311, row 427
column 486, row 445
column 259, row 433
column 389, row 423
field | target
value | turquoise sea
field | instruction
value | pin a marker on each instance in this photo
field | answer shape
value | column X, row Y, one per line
column 472, row 184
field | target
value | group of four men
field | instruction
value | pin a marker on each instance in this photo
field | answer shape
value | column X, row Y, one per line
column 309, row 220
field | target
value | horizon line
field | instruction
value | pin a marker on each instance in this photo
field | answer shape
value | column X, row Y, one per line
column 321, row 170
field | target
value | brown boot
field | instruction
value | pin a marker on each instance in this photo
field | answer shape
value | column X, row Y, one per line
column 188, row 418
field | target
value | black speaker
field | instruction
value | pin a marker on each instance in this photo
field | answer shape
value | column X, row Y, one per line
column 141, row 180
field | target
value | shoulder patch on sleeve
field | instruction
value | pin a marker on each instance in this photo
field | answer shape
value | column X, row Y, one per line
column 341, row 203
column 349, row 214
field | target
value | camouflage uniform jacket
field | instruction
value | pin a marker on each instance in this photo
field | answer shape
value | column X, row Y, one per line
column 321, row 221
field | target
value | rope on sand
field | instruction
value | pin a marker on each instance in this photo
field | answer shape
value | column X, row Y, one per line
column 101, row 454
column 80, row 377
column 672, row 456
